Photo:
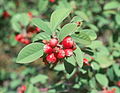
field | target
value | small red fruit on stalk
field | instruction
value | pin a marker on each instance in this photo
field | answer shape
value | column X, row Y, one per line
column 68, row 52
column 27, row 41
column 23, row 88
column 61, row 54
column 19, row 37
column 67, row 42
column 86, row 61
column 52, row 1
column 5, row 14
column 47, row 49
column 51, row 58
column 37, row 29
column 53, row 42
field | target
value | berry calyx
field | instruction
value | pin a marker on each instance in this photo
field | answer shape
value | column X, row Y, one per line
column 53, row 42
column 67, row 42
column 51, row 58
column 68, row 52
column 61, row 54
column 47, row 49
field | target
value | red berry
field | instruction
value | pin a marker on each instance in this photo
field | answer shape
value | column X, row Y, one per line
column 51, row 58
column 26, row 41
column 61, row 54
column 52, row 1
column 86, row 61
column 68, row 52
column 19, row 37
column 56, row 49
column 5, row 14
column 37, row 29
column 67, row 42
column 23, row 88
column 47, row 49
column 53, row 42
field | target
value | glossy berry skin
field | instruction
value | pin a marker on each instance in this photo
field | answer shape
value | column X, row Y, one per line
column 67, row 42
column 118, row 83
column 37, row 29
column 23, row 88
column 68, row 52
column 61, row 54
column 5, row 14
column 26, row 41
column 19, row 37
column 51, row 58
column 47, row 49
column 86, row 61
column 53, row 42
column 52, row 1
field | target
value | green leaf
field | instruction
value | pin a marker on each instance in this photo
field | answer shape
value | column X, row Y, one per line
column 81, row 38
column 32, row 89
column 82, row 15
column 39, row 78
column 67, row 30
column 76, row 19
column 117, row 18
column 90, row 33
column 79, row 56
column 58, row 16
column 102, row 79
column 41, row 36
column 71, row 60
column 42, row 25
column 116, row 68
column 30, row 53
column 42, row 5
column 68, row 67
column 112, row 5
column 95, row 66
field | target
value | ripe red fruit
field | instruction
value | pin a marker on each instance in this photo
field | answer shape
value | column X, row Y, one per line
column 68, row 52
column 53, row 42
column 5, row 14
column 23, row 88
column 51, row 58
column 67, row 42
column 37, row 29
column 26, row 41
column 47, row 49
column 61, row 54
column 86, row 61
column 56, row 49
column 52, row 1
column 19, row 37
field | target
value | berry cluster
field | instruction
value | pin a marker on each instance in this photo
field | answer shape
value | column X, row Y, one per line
column 21, row 38
column 22, row 89
column 25, row 38
column 56, row 51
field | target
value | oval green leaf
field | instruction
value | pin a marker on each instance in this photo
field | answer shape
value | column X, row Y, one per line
column 30, row 53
